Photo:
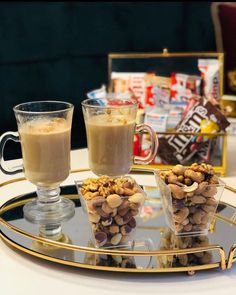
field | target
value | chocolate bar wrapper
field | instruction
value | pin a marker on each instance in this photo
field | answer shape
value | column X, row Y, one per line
column 209, row 69
column 184, row 87
column 203, row 117
column 131, row 83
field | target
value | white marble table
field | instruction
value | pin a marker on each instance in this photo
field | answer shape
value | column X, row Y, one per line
column 21, row 274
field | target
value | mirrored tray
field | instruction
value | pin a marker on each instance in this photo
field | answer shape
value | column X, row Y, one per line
column 155, row 248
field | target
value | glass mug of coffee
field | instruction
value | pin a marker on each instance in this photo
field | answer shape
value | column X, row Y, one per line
column 44, row 131
column 110, row 127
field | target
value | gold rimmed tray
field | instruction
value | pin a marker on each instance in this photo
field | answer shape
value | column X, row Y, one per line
column 155, row 248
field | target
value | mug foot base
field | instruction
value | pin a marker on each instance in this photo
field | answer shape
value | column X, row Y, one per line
column 46, row 213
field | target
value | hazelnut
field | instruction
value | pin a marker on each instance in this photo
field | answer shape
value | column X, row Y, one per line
column 185, row 222
column 115, row 240
column 101, row 238
column 119, row 220
column 101, row 212
column 134, row 206
column 127, row 217
column 125, row 230
column 124, row 204
column 114, row 229
column 123, row 211
column 134, row 212
column 114, row 200
column 137, row 198
column 106, row 208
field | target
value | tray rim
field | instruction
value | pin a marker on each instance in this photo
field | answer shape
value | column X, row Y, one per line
column 223, row 263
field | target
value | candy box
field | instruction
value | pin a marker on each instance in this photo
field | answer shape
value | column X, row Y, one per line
column 190, row 197
column 197, row 76
column 112, row 206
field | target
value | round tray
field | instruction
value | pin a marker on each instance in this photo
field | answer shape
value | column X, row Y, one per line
column 155, row 249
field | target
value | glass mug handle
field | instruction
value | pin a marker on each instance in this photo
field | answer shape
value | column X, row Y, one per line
column 3, row 139
column 147, row 159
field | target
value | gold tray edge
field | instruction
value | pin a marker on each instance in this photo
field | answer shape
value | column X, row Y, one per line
column 104, row 268
column 230, row 260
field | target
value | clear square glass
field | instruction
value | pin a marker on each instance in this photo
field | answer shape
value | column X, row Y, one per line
column 190, row 215
column 119, row 226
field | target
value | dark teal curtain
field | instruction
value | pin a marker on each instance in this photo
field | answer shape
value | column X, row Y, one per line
column 58, row 50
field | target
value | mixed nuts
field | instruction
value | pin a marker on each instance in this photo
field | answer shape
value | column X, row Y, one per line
column 193, row 196
column 113, row 205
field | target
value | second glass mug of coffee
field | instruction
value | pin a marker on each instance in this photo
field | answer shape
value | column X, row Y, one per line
column 110, row 128
column 44, row 131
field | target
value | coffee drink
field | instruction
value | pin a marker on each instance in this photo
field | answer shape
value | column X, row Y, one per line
column 45, row 147
column 110, row 143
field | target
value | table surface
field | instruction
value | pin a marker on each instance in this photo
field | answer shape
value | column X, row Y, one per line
column 24, row 274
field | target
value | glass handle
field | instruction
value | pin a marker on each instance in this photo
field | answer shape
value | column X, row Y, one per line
column 3, row 139
column 154, row 140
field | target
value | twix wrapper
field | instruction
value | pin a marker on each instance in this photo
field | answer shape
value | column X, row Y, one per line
column 203, row 117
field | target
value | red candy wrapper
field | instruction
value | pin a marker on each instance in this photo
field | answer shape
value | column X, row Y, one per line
column 130, row 83
column 209, row 69
column 184, row 87
column 203, row 117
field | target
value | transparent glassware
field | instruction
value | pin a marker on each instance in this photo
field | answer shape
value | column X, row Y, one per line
column 190, row 215
column 110, row 128
column 113, row 228
column 44, row 132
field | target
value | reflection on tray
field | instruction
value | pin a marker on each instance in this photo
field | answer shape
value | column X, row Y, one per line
column 169, row 241
column 53, row 232
column 122, row 261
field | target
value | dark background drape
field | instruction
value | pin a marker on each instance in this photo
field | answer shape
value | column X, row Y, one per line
column 58, row 50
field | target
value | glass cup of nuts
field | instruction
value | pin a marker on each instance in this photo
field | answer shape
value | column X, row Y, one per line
column 113, row 206
column 190, row 196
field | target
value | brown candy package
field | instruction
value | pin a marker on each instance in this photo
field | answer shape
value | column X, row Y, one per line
column 203, row 117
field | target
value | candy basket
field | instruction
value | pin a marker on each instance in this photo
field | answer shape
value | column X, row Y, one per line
column 213, row 146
